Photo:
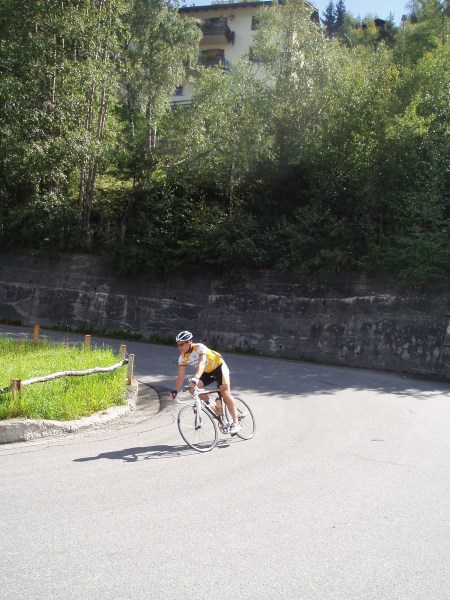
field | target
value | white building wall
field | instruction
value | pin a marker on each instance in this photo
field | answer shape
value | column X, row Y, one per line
column 239, row 21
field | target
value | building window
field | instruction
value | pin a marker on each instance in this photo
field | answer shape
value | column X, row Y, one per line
column 179, row 91
column 254, row 23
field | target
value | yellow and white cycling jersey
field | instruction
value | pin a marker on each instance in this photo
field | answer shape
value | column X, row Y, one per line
column 213, row 359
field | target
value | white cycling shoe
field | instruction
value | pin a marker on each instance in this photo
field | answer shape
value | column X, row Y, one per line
column 234, row 428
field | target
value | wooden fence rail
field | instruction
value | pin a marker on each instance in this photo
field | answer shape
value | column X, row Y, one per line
column 73, row 373
column 18, row 384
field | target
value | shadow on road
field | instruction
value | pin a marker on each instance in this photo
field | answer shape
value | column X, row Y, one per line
column 148, row 453
column 284, row 378
column 155, row 366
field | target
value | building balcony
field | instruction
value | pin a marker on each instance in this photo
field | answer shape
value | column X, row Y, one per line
column 180, row 102
column 216, row 32
column 211, row 58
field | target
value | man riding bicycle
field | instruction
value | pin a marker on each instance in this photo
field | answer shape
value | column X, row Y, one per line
column 209, row 366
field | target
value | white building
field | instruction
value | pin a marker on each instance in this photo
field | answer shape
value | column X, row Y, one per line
column 228, row 33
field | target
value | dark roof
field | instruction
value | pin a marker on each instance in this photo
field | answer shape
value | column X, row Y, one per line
column 222, row 6
column 233, row 5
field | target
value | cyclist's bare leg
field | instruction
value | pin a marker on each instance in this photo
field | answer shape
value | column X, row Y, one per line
column 229, row 401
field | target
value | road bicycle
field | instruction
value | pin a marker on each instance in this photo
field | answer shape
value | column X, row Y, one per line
column 199, row 422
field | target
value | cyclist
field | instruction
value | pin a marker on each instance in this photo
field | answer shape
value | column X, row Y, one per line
column 209, row 366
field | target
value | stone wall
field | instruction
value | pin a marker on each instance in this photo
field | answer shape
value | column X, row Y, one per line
column 352, row 321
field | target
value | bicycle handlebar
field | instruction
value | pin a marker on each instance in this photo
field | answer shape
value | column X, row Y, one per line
column 186, row 388
column 199, row 390
column 196, row 391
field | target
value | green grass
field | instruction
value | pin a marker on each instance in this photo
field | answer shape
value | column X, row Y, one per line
column 60, row 399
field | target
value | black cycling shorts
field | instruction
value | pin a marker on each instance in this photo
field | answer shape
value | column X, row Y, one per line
column 221, row 375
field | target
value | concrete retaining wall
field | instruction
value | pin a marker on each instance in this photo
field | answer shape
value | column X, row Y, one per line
column 352, row 321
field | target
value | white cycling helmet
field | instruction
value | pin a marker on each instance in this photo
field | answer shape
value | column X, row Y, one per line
column 184, row 336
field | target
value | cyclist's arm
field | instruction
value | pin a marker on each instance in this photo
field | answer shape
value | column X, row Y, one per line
column 180, row 378
column 200, row 367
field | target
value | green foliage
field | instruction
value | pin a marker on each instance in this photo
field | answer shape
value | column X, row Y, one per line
column 421, row 257
column 315, row 153
column 224, row 243
column 222, row 135
column 49, row 222
column 70, row 70
column 426, row 28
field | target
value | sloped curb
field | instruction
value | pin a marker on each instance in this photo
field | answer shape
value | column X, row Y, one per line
column 24, row 430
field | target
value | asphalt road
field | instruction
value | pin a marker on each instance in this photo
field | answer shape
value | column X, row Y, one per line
column 342, row 494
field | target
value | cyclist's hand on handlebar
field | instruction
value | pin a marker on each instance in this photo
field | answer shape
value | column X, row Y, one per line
column 175, row 397
column 193, row 381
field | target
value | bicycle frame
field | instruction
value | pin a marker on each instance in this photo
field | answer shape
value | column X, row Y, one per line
column 199, row 403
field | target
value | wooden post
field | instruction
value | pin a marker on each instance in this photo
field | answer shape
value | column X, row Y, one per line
column 122, row 351
column 130, row 368
column 36, row 334
column 16, row 386
column 87, row 342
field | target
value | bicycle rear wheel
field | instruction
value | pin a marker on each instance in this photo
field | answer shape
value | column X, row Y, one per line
column 245, row 418
column 198, row 431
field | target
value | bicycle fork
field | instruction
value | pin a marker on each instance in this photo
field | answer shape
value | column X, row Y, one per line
column 198, row 415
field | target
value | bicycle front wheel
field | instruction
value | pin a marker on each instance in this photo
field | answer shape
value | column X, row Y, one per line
column 198, row 429
column 245, row 418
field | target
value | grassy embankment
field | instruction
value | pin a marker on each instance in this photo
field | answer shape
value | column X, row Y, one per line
column 61, row 399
